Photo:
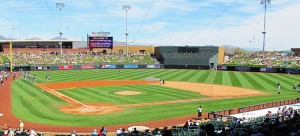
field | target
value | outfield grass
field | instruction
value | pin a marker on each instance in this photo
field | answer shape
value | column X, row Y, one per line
column 32, row 105
column 150, row 93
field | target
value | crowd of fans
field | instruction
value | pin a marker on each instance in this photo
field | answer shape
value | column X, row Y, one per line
column 283, row 123
column 73, row 56
column 266, row 59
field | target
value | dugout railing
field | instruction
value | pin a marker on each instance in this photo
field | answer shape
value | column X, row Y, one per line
column 227, row 112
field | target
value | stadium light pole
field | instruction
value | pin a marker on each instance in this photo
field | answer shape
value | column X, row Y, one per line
column 126, row 8
column 265, row 3
column 13, row 30
column 60, row 6
column 68, row 33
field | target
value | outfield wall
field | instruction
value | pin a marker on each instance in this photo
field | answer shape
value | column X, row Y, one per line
column 260, row 69
column 82, row 67
column 148, row 66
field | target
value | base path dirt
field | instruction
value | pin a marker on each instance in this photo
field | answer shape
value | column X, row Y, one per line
column 9, row 119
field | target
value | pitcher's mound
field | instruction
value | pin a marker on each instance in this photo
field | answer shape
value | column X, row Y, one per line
column 127, row 93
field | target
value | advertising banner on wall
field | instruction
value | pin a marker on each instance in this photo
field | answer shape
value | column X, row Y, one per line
column 66, row 67
column 263, row 69
column 222, row 68
column 42, row 68
column 272, row 70
column 108, row 66
column 87, row 66
column 293, row 71
column 242, row 69
column 131, row 66
column 153, row 66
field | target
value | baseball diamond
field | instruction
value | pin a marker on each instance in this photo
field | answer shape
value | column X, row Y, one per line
column 83, row 100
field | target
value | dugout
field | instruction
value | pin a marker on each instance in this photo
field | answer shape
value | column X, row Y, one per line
column 189, row 57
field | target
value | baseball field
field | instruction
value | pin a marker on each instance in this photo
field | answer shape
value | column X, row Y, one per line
column 114, row 97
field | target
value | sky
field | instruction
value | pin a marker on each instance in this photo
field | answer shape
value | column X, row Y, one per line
column 158, row 22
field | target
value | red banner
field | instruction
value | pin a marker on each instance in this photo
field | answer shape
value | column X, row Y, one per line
column 66, row 67
column 87, row 66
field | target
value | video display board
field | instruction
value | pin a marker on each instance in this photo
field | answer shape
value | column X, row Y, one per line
column 100, row 42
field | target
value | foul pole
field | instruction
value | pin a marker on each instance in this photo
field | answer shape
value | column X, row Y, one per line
column 10, row 57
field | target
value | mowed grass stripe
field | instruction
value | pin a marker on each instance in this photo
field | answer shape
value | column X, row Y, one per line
column 162, row 73
column 196, row 76
column 204, row 76
column 31, row 91
column 218, row 78
column 226, row 78
column 270, row 80
column 176, row 93
column 174, row 75
column 105, row 94
column 185, row 76
column 234, row 80
column 286, row 79
column 267, row 85
column 211, row 77
column 243, row 80
column 295, row 78
column 35, row 106
column 254, row 83
column 284, row 83
column 143, row 74
column 39, row 100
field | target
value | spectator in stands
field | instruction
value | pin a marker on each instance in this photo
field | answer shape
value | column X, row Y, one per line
column 166, row 132
column 279, row 112
column 5, row 131
column 186, row 125
column 103, row 131
column 135, row 131
column 156, row 132
column 32, row 132
column 119, row 132
column 73, row 133
column 147, row 132
column 18, row 131
column 124, row 131
column 95, row 133
column 210, row 130
column 11, row 132
column 223, row 132
column 4, row 127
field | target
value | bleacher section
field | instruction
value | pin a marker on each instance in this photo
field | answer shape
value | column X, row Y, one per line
column 51, row 56
column 267, row 59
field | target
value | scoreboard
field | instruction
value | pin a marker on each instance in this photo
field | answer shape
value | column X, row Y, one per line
column 100, row 42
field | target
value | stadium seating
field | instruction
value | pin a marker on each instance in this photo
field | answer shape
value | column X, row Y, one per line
column 50, row 56
column 267, row 59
